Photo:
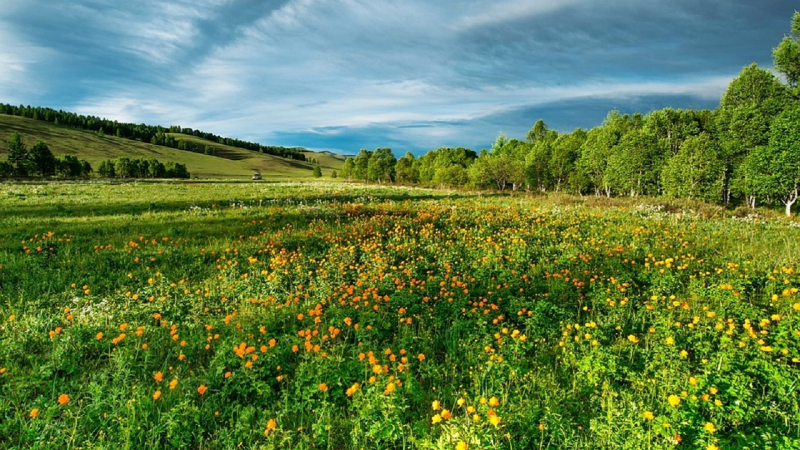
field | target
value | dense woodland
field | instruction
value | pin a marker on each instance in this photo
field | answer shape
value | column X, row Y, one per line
column 156, row 135
column 747, row 150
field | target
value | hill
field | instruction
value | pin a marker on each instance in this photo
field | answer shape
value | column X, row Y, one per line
column 230, row 162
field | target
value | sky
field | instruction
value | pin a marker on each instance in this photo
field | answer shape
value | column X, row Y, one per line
column 413, row 75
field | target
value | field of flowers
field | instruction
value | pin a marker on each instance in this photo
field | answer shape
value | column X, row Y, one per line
column 230, row 315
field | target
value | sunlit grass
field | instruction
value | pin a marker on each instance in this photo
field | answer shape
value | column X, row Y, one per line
column 325, row 315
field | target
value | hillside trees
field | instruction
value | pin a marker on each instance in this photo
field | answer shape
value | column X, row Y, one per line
column 787, row 53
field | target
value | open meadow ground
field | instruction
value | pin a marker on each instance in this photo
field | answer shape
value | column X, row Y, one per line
column 324, row 315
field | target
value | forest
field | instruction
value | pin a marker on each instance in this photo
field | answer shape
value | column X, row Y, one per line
column 156, row 135
column 746, row 151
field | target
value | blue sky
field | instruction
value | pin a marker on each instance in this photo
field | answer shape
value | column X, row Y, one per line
column 346, row 74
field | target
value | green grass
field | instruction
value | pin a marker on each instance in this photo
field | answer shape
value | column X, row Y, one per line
column 232, row 163
column 489, row 320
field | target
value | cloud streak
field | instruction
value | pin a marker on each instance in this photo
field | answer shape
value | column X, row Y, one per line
column 346, row 74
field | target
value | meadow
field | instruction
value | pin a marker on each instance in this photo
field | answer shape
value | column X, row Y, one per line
column 340, row 316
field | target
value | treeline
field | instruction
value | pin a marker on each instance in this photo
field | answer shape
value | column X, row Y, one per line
column 156, row 135
column 40, row 161
column 141, row 168
column 747, row 150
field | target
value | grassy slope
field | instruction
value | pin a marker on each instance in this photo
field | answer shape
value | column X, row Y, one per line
column 231, row 163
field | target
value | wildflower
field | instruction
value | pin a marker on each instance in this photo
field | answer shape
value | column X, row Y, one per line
column 63, row 399
column 712, row 447
column 34, row 413
column 173, row 383
column 648, row 415
column 421, row 357
column 99, row 336
column 494, row 419
column 156, row 395
column 202, row 389
column 710, row 427
column 352, row 390
column 493, row 402
column 446, row 414
column 633, row 338
column 436, row 418
column 674, row 400
column 436, row 405
column 323, row 387
column 271, row 425
column 460, row 402
column 158, row 376
column 389, row 388
column 462, row 445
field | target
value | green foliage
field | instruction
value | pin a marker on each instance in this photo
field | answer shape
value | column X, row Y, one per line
column 696, row 171
column 381, row 166
column 406, row 170
column 42, row 160
column 317, row 172
column 787, row 54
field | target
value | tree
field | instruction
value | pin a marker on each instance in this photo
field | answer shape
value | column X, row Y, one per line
column 537, row 132
column 381, row 166
column 361, row 165
column 633, row 167
column 787, row 54
column 566, row 150
column 317, row 172
column 753, row 99
column 502, row 170
column 42, row 160
column 696, row 171
column 406, row 170
column 784, row 157
column 348, row 168
column 334, row 174
column 17, row 156
column 598, row 148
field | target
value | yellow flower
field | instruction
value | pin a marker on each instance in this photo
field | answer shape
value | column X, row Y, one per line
column 271, row 425
column 712, row 447
column 710, row 427
column 389, row 388
column 493, row 402
column 674, row 400
column 436, row 405
column 648, row 415
column 494, row 419
column 633, row 338
column 436, row 418
column 462, row 445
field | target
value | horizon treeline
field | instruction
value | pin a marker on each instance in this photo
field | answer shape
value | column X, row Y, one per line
column 747, row 150
column 153, row 134
column 39, row 161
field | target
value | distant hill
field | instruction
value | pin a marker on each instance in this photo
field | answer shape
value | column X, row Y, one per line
column 229, row 162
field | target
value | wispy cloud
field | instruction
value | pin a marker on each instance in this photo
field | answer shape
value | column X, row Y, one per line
column 346, row 74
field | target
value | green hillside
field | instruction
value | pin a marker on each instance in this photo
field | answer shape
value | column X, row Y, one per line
column 230, row 162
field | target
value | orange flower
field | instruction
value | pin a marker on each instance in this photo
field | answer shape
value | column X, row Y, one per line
column 158, row 377
column 493, row 402
column 323, row 387
column 63, row 399
column 156, row 395
column 173, row 383
column 389, row 388
column 34, row 413
column 99, row 336
column 271, row 425
column 421, row 357
column 202, row 389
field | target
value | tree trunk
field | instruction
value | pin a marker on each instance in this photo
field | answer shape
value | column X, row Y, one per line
column 791, row 198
